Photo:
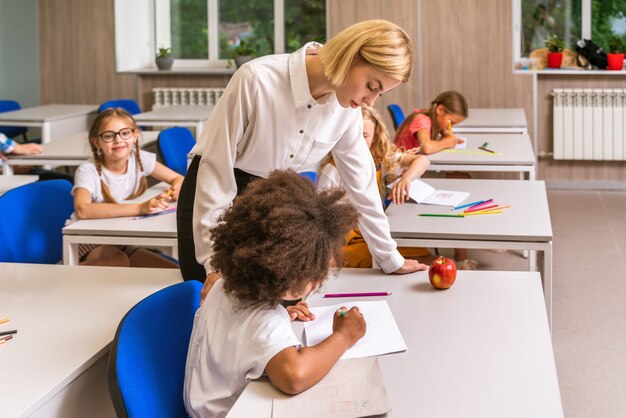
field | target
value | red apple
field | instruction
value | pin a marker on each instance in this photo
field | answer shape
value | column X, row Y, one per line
column 442, row 273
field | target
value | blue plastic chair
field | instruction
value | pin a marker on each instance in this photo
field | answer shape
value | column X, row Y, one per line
column 12, row 131
column 33, row 216
column 146, row 368
column 128, row 105
column 311, row 175
column 397, row 115
column 174, row 144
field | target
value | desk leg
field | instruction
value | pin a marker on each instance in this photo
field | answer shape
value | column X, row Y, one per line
column 46, row 132
column 547, row 281
column 532, row 174
column 7, row 169
column 70, row 252
column 532, row 259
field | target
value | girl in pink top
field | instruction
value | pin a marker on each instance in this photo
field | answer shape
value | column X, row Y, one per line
column 430, row 130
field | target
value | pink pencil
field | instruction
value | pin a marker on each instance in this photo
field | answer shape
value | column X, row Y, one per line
column 475, row 208
column 486, row 202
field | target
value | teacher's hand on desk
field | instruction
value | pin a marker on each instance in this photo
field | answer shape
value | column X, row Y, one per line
column 411, row 266
column 211, row 278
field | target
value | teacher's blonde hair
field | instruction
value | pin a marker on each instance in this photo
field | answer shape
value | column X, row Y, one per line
column 380, row 43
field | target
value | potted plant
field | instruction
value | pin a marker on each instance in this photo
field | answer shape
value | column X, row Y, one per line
column 164, row 58
column 615, row 54
column 555, row 45
column 243, row 53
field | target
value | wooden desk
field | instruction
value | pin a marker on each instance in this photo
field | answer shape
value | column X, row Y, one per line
column 514, row 154
column 524, row 226
column 193, row 116
column 66, row 319
column 494, row 120
column 10, row 182
column 480, row 349
column 55, row 120
column 72, row 151
column 156, row 231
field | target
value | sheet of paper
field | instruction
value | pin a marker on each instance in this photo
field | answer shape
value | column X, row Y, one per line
column 463, row 145
column 353, row 388
column 445, row 198
column 382, row 335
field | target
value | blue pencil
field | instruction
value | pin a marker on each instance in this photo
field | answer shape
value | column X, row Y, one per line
column 469, row 204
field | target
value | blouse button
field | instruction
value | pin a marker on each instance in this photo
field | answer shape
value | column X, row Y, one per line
column 291, row 156
column 301, row 131
column 309, row 106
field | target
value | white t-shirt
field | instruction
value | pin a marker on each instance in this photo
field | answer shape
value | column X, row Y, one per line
column 227, row 349
column 267, row 120
column 120, row 185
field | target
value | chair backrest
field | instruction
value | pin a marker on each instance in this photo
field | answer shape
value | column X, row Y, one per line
column 146, row 368
column 397, row 115
column 33, row 216
column 11, row 131
column 128, row 105
column 311, row 175
column 174, row 144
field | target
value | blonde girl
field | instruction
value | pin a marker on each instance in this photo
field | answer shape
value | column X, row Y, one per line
column 391, row 164
column 117, row 172
column 430, row 130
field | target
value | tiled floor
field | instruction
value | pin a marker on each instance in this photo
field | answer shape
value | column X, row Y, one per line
column 589, row 299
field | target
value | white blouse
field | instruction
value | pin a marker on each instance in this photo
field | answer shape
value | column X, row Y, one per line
column 267, row 120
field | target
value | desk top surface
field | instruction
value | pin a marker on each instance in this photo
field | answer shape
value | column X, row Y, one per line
column 494, row 117
column 46, row 113
column 510, row 149
column 480, row 349
column 73, row 147
column 10, row 182
column 161, row 226
column 175, row 113
column 528, row 218
column 66, row 317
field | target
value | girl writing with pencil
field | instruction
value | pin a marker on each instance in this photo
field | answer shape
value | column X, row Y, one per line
column 430, row 130
column 278, row 241
column 392, row 164
column 117, row 172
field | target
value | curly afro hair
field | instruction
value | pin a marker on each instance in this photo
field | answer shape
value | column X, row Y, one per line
column 280, row 235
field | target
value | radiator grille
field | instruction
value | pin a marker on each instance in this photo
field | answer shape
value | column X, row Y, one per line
column 589, row 124
column 185, row 96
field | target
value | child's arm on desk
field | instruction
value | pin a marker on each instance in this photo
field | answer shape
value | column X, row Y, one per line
column 430, row 146
column 417, row 165
column 169, row 176
column 86, row 209
column 293, row 371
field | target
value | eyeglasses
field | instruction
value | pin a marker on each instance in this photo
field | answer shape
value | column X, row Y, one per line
column 109, row 136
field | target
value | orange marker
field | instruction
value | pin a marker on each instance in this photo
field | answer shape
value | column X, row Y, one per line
column 4, row 320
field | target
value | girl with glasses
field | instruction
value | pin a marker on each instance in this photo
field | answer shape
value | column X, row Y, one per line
column 117, row 173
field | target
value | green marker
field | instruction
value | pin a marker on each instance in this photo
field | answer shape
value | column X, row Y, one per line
column 485, row 145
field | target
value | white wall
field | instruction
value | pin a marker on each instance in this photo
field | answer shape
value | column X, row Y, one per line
column 19, row 51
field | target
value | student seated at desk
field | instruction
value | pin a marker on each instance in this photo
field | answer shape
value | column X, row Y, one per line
column 277, row 241
column 116, row 173
column 391, row 164
column 9, row 146
column 429, row 131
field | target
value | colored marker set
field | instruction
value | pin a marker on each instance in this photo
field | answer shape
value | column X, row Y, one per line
column 6, row 335
column 481, row 207
column 484, row 148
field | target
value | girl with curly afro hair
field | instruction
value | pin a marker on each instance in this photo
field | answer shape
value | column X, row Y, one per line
column 278, row 241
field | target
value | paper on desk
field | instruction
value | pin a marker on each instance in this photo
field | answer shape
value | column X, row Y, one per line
column 426, row 194
column 353, row 388
column 463, row 145
column 382, row 335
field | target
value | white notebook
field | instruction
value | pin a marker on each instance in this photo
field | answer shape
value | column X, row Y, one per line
column 382, row 335
column 426, row 194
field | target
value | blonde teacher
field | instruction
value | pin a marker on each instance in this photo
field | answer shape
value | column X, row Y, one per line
column 289, row 111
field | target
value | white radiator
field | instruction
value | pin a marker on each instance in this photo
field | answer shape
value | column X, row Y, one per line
column 589, row 124
column 185, row 96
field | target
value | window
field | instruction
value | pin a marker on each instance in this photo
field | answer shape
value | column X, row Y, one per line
column 571, row 20
column 211, row 29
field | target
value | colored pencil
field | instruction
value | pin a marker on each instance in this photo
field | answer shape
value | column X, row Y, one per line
column 469, row 204
column 443, row 215
column 486, row 144
column 484, row 203
column 4, row 320
column 357, row 294
column 474, row 209
column 486, row 212
column 13, row 331
column 488, row 150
